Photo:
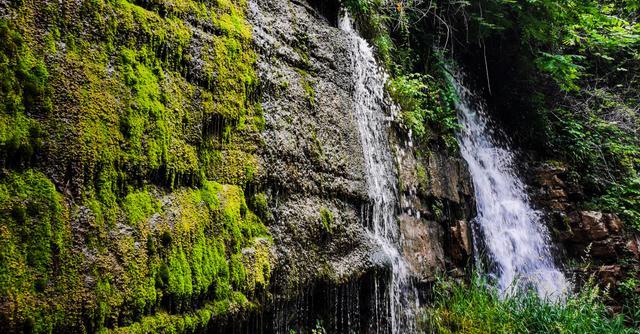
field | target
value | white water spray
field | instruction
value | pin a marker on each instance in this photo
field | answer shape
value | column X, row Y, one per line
column 516, row 239
column 370, row 104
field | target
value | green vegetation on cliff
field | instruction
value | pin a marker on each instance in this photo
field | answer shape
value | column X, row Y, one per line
column 561, row 73
column 418, row 82
column 127, row 138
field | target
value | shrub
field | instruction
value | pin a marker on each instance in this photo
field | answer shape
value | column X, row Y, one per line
column 478, row 308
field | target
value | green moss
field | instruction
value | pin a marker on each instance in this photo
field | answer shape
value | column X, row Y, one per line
column 131, row 141
column 307, row 85
column 326, row 218
column 20, row 137
column 204, row 250
column 261, row 205
column 258, row 267
column 423, row 177
column 23, row 87
column 34, row 235
column 32, row 210
column 139, row 205
column 316, row 149
column 190, row 322
column 231, row 166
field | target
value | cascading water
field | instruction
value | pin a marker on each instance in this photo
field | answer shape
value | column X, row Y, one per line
column 370, row 104
column 516, row 240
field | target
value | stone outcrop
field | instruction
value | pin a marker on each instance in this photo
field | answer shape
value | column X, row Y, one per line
column 594, row 236
column 436, row 196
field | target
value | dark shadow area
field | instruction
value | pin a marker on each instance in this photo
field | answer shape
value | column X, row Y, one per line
column 359, row 306
column 330, row 9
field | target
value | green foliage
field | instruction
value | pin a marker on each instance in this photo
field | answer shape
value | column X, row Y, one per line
column 598, row 146
column 319, row 329
column 568, row 37
column 477, row 308
column 562, row 68
column 623, row 199
column 607, row 154
column 410, row 94
column 418, row 83
column 425, row 103
column 628, row 289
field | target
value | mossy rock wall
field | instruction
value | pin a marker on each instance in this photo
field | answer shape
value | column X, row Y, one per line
column 128, row 132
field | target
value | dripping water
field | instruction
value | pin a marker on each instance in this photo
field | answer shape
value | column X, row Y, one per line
column 370, row 104
column 516, row 239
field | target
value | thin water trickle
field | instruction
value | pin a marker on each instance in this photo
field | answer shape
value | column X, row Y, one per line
column 517, row 240
column 370, row 105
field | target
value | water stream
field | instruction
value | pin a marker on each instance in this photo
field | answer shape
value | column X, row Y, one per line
column 516, row 239
column 370, row 104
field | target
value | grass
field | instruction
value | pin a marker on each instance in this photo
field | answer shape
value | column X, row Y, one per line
column 477, row 308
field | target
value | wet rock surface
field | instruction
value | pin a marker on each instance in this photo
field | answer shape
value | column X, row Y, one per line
column 313, row 162
column 311, row 155
column 437, row 199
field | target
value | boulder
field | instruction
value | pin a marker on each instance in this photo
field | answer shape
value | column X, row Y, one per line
column 588, row 226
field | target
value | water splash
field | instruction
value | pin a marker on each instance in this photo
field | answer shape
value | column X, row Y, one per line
column 516, row 239
column 370, row 104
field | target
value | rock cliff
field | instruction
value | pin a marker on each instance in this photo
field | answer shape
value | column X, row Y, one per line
column 196, row 166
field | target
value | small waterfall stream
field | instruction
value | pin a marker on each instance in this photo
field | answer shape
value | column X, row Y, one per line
column 517, row 241
column 370, row 104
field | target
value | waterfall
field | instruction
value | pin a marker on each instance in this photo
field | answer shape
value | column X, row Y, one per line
column 515, row 237
column 370, row 103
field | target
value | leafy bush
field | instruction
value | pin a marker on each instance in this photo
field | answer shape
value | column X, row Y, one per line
column 562, row 68
column 420, row 88
column 599, row 140
column 426, row 103
column 623, row 199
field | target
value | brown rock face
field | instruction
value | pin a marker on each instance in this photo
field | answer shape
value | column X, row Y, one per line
column 460, row 241
column 422, row 247
column 604, row 249
column 591, row 226
column 611, row 250
column 557, row 193
column 435, row 202
column 595, row 233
